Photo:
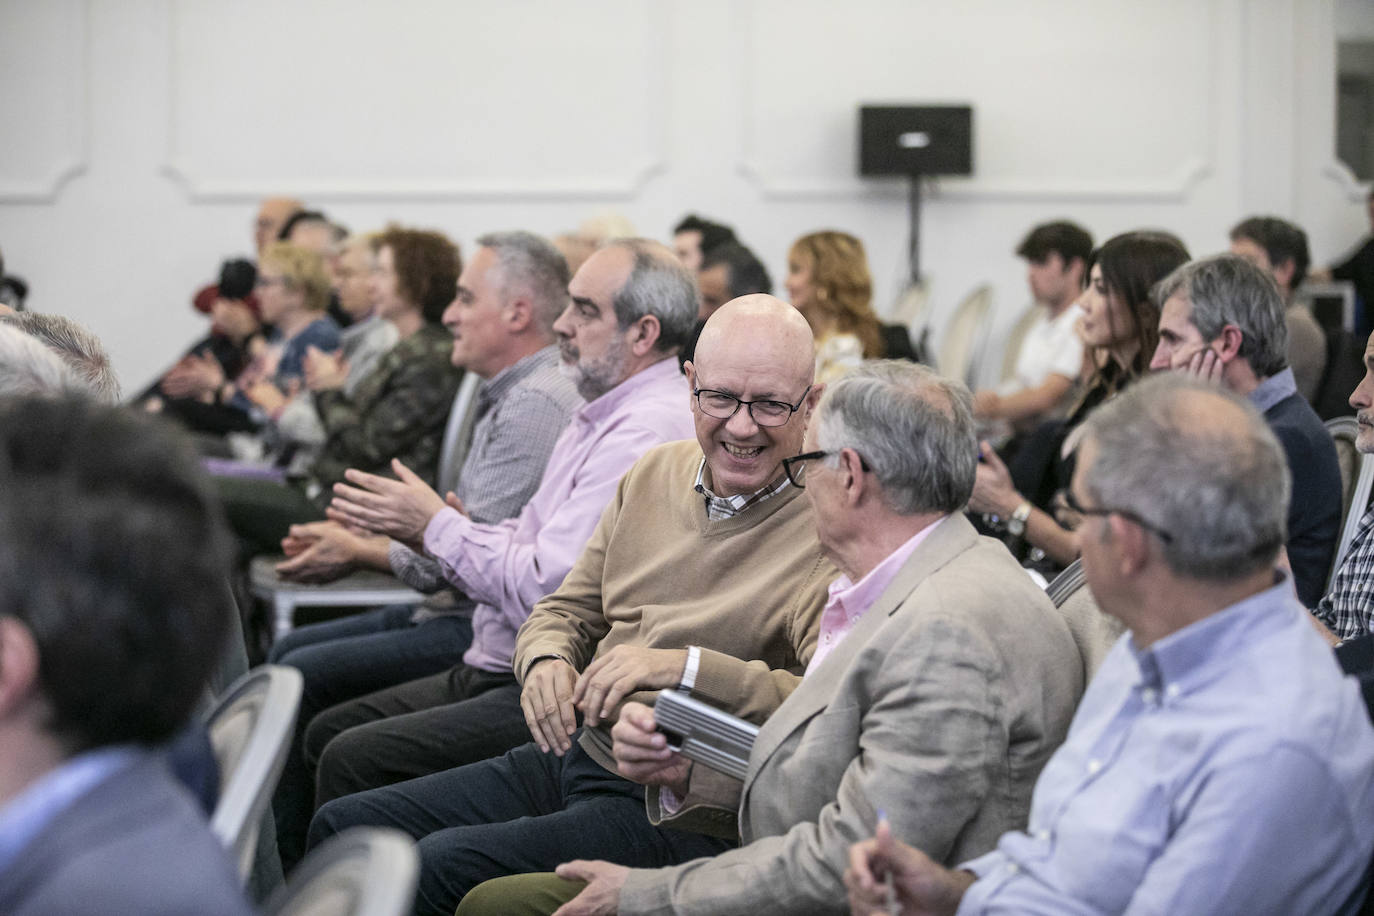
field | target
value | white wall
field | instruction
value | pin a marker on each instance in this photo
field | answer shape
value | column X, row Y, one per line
column 140, row 133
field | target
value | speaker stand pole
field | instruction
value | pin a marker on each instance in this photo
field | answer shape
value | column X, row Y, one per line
column 914, row 245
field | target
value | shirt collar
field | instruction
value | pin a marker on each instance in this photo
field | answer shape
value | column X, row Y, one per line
column 719, row 507
column 26, row 815
column 1188, row 658
column 597, row 410
column 496, row 387
column 1274, row 389
column 857, row 597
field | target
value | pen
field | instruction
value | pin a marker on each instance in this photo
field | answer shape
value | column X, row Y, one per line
column 890, row 904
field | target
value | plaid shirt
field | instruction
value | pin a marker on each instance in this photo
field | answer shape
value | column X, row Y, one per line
column 720, row 507
column 1348, row 609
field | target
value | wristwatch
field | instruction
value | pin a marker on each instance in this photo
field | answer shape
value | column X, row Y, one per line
column 1016, row 525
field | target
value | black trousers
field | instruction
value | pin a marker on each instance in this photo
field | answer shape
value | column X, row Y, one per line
column 525, row 811
column 423, row 726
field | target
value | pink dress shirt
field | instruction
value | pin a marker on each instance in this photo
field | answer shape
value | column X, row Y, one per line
column 850, row 600
column 506, row 567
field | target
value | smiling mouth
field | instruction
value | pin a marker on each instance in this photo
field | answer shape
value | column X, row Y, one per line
column 742, row 452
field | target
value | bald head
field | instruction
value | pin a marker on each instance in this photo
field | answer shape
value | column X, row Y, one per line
column 272, row 215
column 757, row 328
column 1197, row 463
column 753, row 349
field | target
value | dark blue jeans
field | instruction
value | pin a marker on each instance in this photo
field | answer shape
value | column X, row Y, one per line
column 522, row 812
column 344, row 659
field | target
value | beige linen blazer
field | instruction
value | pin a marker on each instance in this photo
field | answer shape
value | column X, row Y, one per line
column 941, row 706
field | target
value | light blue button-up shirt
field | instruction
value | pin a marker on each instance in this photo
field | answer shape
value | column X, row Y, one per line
column 1228, row 768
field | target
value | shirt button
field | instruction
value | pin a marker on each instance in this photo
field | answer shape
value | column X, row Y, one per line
column 1173, row 690
column 1042, row 835
column 1148, row 694
column 1013, row 868
column 1094, row 765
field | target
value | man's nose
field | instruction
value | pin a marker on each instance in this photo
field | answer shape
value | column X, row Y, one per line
column 1161, row 358
column 742, row 423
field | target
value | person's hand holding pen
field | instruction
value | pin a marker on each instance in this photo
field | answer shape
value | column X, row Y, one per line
column 886, row 876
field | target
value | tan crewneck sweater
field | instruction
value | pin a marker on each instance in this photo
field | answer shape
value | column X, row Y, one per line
column 657, row 573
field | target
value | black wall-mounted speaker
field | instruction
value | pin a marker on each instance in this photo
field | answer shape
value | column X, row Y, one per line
column 915, row 140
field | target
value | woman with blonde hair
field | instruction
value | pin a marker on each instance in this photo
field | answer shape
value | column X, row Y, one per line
column 829, row 283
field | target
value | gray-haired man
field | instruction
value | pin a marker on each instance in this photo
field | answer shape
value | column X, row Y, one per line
column 1219, row 760
column 942, row 682
column 1221, row 318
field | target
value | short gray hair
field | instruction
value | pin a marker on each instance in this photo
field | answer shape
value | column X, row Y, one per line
column 1227, row 289
column 912, row 426
column 660, row 286
column 530, row 263
column 77, row 347
column 29, row 368
column 1212, row 476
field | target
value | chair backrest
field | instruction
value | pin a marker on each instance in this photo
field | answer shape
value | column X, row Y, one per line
column 1344, row 431
column 1093, row 631
column 250, row 729
column 456, row 430
column 364, row 871
column 1355, row 501
column 964, row 334
column 911, row 310
column 1016, row 338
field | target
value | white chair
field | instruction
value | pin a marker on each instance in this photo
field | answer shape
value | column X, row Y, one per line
column 965, row 335
column 250, row 730
column 364, row 871
column 1016, row 339
column 364, row 588
column 1093, row 631
column 910, row 309
column 1357, row 482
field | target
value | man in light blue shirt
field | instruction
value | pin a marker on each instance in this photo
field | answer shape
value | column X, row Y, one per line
column 1219, row 761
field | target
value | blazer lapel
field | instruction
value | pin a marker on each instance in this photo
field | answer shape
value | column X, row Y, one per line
column 950, row 538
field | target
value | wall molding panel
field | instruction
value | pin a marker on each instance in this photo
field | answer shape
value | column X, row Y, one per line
column 630, row 171
column 56, row 79
column 1174, row 185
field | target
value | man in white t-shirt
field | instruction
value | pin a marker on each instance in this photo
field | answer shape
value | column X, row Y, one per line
column 1051, row 353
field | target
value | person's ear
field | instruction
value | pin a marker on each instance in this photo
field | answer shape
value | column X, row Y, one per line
column 18, row 665
column 644, row 334
column 519, row 314
column 855, row 480
column 1283, row 273
column 1130, row 544
column 813, row 397
column 1228, row 343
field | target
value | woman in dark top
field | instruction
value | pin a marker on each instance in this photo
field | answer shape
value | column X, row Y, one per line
column 399, row 410
column 1119, row 328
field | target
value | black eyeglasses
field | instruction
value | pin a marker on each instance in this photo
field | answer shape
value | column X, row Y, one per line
column 792, row 467
column 723, row 406
column 1073, row 506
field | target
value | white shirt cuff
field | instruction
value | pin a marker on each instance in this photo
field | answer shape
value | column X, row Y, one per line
column 689, row 673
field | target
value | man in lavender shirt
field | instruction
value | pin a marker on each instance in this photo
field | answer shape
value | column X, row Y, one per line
column 1219, row 761
column 632, row 306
